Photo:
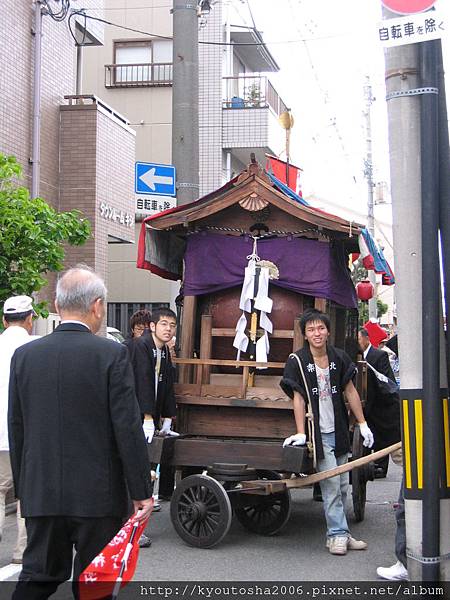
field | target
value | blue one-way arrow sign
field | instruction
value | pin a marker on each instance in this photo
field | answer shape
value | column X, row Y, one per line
column 152, row 178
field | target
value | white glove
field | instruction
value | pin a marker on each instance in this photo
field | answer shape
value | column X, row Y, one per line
column 366, row 434
column 149, row 429
column 299, row 439
column 166, row 428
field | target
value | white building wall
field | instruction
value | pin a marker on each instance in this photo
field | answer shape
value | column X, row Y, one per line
column 211, row 60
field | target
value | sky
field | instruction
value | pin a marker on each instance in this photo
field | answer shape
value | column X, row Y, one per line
column 322, row 80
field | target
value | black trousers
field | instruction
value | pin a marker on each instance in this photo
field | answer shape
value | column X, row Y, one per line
column 47, row 560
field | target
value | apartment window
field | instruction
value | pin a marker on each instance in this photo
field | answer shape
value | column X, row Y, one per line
column 141, row 63
column 138, row 55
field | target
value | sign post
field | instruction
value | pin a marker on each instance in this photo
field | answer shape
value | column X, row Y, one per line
column 155, row 187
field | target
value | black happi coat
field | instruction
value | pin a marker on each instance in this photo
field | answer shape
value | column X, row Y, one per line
column 342, row 370
column 143, row 358
column 382, row 410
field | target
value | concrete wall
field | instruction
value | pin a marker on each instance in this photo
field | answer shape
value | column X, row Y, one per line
column 151, row 105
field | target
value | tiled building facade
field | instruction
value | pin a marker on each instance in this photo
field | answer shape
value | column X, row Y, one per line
column 86, row 150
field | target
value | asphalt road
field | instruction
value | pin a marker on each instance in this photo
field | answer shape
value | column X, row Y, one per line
column 297, row 553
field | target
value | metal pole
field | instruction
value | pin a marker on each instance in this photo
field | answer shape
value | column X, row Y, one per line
column 185, row 135
column 368, row 172
column 430, row 306
column 79, row 80
column 36, row 134
column 444, row 222
column 404, row 153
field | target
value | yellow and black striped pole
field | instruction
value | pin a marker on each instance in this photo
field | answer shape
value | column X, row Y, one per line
column 413, row 444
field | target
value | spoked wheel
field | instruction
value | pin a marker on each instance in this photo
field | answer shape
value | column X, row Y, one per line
column 265, row 515
column 200, row 511
column 360, row 476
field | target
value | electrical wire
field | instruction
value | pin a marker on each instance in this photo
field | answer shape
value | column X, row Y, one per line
column 82, row 12
column 324, row 93
column 165, row 37
column 59, row 15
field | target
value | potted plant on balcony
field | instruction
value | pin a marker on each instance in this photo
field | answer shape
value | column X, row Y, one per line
column 254, row 96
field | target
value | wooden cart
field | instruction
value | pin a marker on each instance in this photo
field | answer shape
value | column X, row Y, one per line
column 233, row 415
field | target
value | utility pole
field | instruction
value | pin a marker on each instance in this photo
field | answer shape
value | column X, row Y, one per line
column 412, row 97
column 185, row 107
column 36, row 132
column 368, row 172
column 404, row 152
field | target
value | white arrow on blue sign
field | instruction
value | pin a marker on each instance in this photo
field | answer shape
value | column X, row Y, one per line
column 152, row 178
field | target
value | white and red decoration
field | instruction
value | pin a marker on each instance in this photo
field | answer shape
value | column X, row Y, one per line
column 100, row 577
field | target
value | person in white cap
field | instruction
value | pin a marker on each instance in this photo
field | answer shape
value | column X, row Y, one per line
column 18, row 322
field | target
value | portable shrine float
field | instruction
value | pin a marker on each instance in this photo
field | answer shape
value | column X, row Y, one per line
column 251, row 257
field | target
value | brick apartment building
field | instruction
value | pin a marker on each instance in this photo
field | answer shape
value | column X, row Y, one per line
column 86, row 149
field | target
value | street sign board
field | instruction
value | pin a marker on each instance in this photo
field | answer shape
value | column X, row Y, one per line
column 411, row 29
column 408, row 7
column 151, row 205
column 154, row 179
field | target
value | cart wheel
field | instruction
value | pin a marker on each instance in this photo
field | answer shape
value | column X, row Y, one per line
column 360, row 476
column 200, row 511
column 265, row 515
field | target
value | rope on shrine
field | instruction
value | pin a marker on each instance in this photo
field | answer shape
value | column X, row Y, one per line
column 263, row 235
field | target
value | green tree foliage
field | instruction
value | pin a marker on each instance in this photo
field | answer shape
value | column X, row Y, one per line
column 32, row 235
column 363, row 309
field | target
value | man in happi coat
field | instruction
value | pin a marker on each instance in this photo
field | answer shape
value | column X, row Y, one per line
column 382, row 409
column 323, row 373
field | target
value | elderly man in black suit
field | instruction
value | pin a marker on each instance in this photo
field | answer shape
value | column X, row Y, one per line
column 382, row 409
column 77, row 446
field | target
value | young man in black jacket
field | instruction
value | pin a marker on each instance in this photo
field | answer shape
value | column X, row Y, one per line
column 324, row 373
column 154, row 379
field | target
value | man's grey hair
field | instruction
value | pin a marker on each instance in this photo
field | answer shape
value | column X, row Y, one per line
column 78, row 288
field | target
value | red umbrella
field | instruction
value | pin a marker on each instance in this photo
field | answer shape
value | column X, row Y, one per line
column 115, row 565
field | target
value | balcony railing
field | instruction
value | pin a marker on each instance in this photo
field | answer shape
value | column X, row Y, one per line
column 138, row 75
column 251, row 92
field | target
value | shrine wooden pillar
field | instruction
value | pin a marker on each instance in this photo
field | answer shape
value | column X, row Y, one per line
column 187, row 337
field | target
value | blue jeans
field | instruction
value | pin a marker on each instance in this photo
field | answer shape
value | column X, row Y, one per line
column 334, row 489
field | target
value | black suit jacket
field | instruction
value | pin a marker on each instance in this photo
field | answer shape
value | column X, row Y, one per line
column 142, row 353
column 75, row 432
column 382, row 411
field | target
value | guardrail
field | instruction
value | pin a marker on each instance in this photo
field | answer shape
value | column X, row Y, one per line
column 251, row 92
column 138, row 75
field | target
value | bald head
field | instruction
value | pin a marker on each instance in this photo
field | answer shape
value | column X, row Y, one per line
column 80, row 295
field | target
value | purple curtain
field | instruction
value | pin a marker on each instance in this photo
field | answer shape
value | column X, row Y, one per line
column 215, row 262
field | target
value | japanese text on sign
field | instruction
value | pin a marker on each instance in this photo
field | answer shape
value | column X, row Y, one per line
column 118, row 216
column 153, row 205
column 410, row 29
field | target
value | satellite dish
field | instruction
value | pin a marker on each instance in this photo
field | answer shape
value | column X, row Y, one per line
column 286, row 120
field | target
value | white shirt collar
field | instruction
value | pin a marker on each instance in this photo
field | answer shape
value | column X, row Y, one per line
column 17, row 331
column 366, row 351
column 76, row 323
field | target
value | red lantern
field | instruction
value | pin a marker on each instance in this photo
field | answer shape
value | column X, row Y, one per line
column 364, row 290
